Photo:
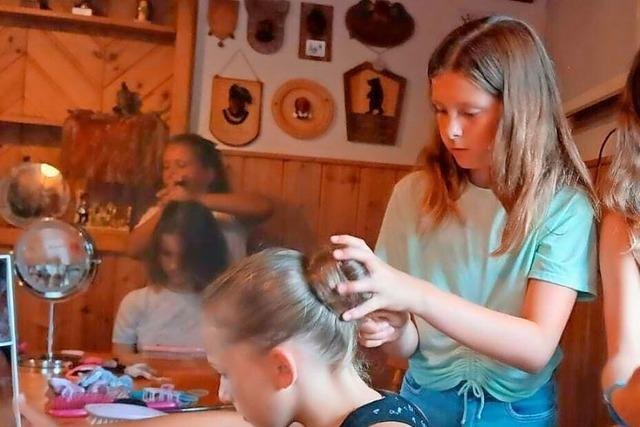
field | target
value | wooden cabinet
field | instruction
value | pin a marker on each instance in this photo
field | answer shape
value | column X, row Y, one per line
column 53, row 61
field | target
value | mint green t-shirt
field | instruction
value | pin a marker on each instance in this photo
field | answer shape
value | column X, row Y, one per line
column 456, row 257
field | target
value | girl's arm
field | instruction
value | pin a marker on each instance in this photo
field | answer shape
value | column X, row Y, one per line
column 406, row 344
column 249, row 208
column 126, row 353
column 140, row 236
column 527, row 341
column 621, row 289
column 625, row 400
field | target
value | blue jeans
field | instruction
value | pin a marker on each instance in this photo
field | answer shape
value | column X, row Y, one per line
column 447, row 408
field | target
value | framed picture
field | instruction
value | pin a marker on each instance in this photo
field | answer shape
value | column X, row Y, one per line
column 236, row 108
column 373, row 101
column 316, row 32
column 8, row 346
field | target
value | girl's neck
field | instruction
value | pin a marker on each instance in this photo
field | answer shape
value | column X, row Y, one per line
column 327, row 398
column 480, row 177
column 178, row 288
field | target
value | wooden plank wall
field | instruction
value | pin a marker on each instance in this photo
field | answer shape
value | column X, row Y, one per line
column 81, row 71
column 315, row 198
column 584, row 345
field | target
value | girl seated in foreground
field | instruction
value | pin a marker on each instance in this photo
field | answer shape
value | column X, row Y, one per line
column 273, row 331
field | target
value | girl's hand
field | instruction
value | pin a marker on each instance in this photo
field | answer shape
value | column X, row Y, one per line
column 625, row 400
column 31, row 417
column 381, row 327
column 176, row 193
column 392, row 289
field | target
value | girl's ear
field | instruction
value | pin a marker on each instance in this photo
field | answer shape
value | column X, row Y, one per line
column 282, row 367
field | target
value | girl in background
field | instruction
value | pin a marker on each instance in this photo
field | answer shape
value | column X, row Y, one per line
column 187, row 252
column 192, row 169
column 619, row 260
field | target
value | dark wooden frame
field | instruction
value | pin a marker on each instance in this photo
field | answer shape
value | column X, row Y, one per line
column 368, row 128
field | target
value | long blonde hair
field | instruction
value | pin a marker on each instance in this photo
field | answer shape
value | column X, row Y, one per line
column 534, row 154
column 279, row 294
column 620, row 191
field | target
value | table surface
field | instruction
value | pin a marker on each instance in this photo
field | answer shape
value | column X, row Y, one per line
column 184, row 374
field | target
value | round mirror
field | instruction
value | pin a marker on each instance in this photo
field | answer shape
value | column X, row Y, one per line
column 33, row 191
column 55, row 260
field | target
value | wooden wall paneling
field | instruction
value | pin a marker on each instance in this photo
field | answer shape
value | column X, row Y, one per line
column 71, row 331
column 338, row 200
column 13, row 48
column 401, row 173
column 41, row 154
column 10, row 134
column 186, row 17
column 97, row 314
column 98, row 6
column 159, row 100
column 121, row 54
column 264, row 176
column 43, row 136
column 130, row 275
column 301, row 196
column 38, row 154
column 148, row 75
column 164, row 11
column 61, row 5
column 33, row 320
column 234, row 167
column 376, row 185
column 63, row 71
column 584, row 349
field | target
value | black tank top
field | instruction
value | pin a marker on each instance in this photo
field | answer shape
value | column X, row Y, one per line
column 391, row 407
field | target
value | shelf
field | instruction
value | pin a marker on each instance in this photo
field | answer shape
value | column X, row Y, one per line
column 106, row 239
column 48, row 16
column 29, row 120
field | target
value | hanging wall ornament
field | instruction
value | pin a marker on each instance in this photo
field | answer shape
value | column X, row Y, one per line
column 223, row 18
column 236, row 106
column 379, row 23
column 265, row 28
column 316, row 32
column 373, row 101
column 235, row 110
column 303, row 108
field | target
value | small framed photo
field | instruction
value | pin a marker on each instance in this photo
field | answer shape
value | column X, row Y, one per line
column 316, row 48
column 316, row 32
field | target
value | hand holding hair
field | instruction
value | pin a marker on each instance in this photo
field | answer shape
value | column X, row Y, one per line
column 390, row 289
column 174, row 193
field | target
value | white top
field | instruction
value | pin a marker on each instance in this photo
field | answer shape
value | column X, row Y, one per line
column 234, row 233
column 157, row 316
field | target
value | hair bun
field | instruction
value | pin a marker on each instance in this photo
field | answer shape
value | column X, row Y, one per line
column 324, row 273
